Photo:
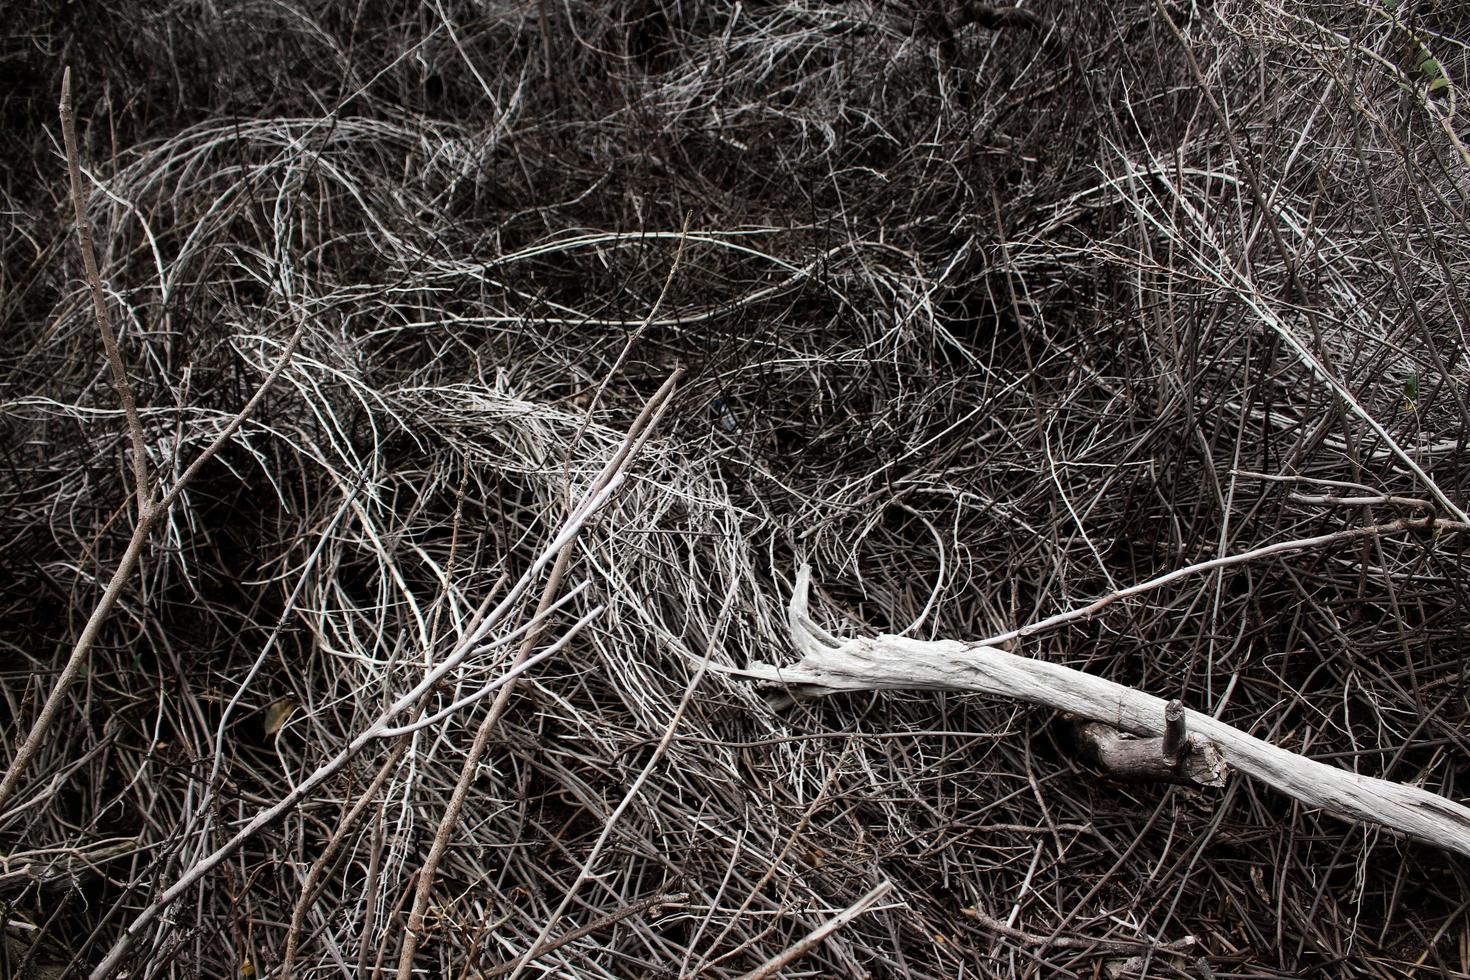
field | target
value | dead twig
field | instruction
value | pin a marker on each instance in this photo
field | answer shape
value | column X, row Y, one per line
column 830, row 665
column 150, row 508
column 1104, row 947
column 1226, row 561
column 654, row 904
column 637, row 434
column 815, row 938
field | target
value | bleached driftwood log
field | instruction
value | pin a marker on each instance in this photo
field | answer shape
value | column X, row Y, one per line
column 829, row 665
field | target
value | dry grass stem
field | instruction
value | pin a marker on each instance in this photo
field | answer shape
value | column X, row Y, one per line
column 1131, row 335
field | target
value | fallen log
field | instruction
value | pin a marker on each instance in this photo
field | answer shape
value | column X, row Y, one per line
column 830, row 665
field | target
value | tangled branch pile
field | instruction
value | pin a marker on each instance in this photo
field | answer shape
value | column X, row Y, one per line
column 984, row 316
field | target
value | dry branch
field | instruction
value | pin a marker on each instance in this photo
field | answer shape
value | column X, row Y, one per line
column 151, row 508
column 829, row 665
column 1105, row 947
column 1085, row 386
column 474, row 643
column 1149, row 759
column 110, row 347
column 638, row 434
column 813, row 939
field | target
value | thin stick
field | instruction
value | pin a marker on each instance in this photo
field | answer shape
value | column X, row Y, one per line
column 1265, row 551
column 76, row 661
column 541, row 945
column 390, row 764
column 318, row 867
column 775, row 865
column 468, row 645
column 146, row 508
column 99, row 302
column 815, row 938
column 150, row 508
column 148, row 518
column 566, row 470
column 1117, row 947
column 218, row 442
column 1256, row 302
column 652, row 410
column 653, row 904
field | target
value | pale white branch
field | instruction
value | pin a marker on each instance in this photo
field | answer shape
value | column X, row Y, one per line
column 897, row 662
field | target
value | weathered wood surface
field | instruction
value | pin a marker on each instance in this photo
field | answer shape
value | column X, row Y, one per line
column 1198, row 763
column 830, row 665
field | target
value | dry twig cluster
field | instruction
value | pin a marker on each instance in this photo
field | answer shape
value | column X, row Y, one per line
column 983, row 316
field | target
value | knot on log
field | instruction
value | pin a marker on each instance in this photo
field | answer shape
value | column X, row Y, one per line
column 1176, row 757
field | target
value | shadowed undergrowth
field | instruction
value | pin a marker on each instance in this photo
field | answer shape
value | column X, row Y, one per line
column 983, row 323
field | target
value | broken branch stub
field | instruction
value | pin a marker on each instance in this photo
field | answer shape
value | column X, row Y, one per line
column 1178, row 757
column 1195, row 763
column 829, row 665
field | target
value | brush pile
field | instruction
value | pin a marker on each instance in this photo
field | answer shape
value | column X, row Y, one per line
column 983, row 314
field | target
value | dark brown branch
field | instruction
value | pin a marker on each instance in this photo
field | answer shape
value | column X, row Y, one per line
column 1111, row 947
column 110, row 347
column 1174, row 742
column 653, row 905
